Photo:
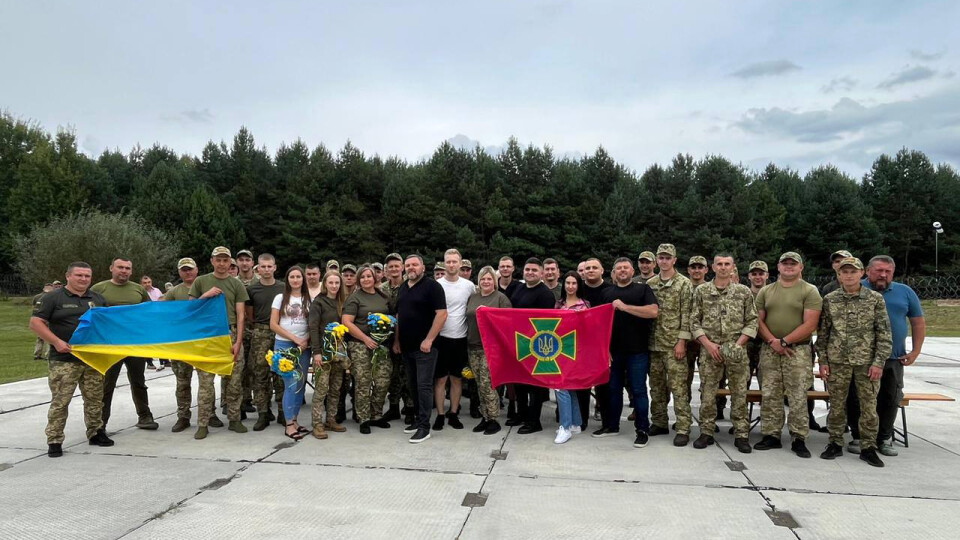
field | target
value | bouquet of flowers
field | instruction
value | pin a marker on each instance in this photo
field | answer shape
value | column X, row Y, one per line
column 284, row 363
column 381, row 328
column 333, row 343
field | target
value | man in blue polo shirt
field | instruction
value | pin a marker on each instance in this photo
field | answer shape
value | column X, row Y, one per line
column 902, row 304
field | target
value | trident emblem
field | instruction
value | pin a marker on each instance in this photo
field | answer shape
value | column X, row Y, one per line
column 546, row 346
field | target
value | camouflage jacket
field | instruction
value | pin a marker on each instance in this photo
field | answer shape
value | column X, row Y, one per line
column 724, row 315
column 391, row 293
column 673, row 322
column 854, row 329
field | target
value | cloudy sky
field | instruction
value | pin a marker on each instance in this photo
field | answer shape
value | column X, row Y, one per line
column 796, row 83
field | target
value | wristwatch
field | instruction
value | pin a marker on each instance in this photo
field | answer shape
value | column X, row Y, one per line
column 783, row 343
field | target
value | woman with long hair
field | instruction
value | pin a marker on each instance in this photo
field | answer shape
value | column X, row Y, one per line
column 288, row 320
column 372, row 381
column 486, row 295
column 329, row 360
column 567, row 403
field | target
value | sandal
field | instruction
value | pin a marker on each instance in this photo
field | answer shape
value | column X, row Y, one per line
column 297, row 435
column 301, row 429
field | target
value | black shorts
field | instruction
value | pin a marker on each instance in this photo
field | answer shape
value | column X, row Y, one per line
column 451, row 356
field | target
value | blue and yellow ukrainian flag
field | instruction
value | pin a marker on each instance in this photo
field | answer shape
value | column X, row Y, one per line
column 192, row 331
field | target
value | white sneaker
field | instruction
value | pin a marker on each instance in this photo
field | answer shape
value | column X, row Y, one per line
column 574, row 430
column 563, row 435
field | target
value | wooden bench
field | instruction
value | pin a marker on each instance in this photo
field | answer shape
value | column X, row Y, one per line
column 899, row 435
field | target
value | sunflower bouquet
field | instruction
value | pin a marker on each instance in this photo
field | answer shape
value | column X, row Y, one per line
column 284, row 362
column 381, row 328
column 334, row 346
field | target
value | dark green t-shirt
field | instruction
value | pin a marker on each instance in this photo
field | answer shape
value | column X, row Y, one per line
column 180, row 292
column 496, row 299
column 360, row 304
column 261, row 298
column 233, row 291
column 62, row 310
column 121, row 295
column 323, row 311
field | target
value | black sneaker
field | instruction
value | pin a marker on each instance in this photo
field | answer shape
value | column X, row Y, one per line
column 407, row 419
column 605, row 432
column 799, row 448
column 341, row 415
column 481, row 426
column 54, row 450
column 641, row 440
column 454, row 420
column 703, row 441
column 527, row 429
column 365, row 428
column 492, row 427
column 832, row 451
column 420, row 436
column 516, row 421
column 657, row 430
column 101, row 439
column 410, row 428
column 474, row 410
column 743, row 445
column 871, row 457
column 768, row 442
column 393, row 413
column 380, row 423
column 438, row 423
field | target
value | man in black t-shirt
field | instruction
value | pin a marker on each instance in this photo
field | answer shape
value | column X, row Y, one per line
column 532, row 294
column 636, row 307
column 421, row 312
column 594, row 289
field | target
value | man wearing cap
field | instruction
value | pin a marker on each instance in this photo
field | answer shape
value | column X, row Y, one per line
column 235, row 294
column 349, row 274
column 438, row 271
column 834, row 283
column 466, row 269
column 723, row 318
column 646, row 262
column 393, row 272
column 187, row 268
column 332, row 264
column 758, row 275
column 245, row 265
column 120, row 291
column 55, row 317
column 246, row 276
column 668, row 347
column 697, row 272
column 789, row 310
column 377, row 272
column 853, row 343
column 258, row 308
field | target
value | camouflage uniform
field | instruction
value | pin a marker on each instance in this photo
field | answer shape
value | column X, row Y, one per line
column 371, row 383
column 265, row 382
column 41, row 350
column 327, row 381
column 234, row 388
column 693, row 348
column 790, row 377
column 854, row 335
column 489, row 401
column 398, row 380
column 723, row 316
column 64, row 378
column 667, row 374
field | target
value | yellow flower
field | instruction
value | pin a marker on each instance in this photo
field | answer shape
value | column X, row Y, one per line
column 286, row 365
column 269, row 357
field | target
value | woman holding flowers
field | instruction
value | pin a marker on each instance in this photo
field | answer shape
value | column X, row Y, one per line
column 368, row 355
column 486, row 295
column 288, row 320
column 330, row 359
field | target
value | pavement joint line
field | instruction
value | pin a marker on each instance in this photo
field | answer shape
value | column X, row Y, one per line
column 76, row 395
column 480, row 493
column 370, row 467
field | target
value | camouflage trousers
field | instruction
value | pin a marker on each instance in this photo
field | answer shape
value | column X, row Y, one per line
column 64, row 379
column 736, row 368
column 266, row 383
column 41, row 350
column 838, row 384
column 327, row 381
column 790, row 377
column 372, row 384
column 184, row 374
column 669, row 376
column 233, row 396
column 489, row 400
column 398, row 382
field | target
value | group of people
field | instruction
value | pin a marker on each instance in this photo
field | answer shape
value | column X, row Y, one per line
column 666, row 325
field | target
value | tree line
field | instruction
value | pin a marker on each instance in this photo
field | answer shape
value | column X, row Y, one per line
column 308, row 204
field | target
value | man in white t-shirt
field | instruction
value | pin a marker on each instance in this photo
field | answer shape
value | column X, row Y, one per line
column 451, row 344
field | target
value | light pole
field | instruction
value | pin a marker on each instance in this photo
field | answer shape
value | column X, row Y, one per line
column 937, row 231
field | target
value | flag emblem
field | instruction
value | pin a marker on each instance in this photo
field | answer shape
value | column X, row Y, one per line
column 546, row 346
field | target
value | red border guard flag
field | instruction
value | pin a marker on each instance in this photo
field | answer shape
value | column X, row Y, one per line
column 547, row 347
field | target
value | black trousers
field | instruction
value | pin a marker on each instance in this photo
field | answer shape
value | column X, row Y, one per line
column 530, row 402
column 603, row 402
column 138, row 386
column 420, row 370
column 888, row 401
column 583, row 399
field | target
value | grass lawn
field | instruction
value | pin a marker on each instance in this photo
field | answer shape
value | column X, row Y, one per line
column 16, row 340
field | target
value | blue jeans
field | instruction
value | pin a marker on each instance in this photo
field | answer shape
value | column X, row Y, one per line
column 632, row 368
column 569, row 408
column 293, row 389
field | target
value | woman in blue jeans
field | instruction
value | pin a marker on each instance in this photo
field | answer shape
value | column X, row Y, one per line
column 567, row 404
column 288, row 320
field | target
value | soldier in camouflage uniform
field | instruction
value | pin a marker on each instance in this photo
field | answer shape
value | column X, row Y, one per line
column 854, row 341
column 249, row 274
column 646, row 262
column 789, row 310
column 393, row 271
column 261, row 294
column 723, row 318
column 668, row 343
column 758, row 275
column 330, row 359
column 697, row 272
column 55, row 317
